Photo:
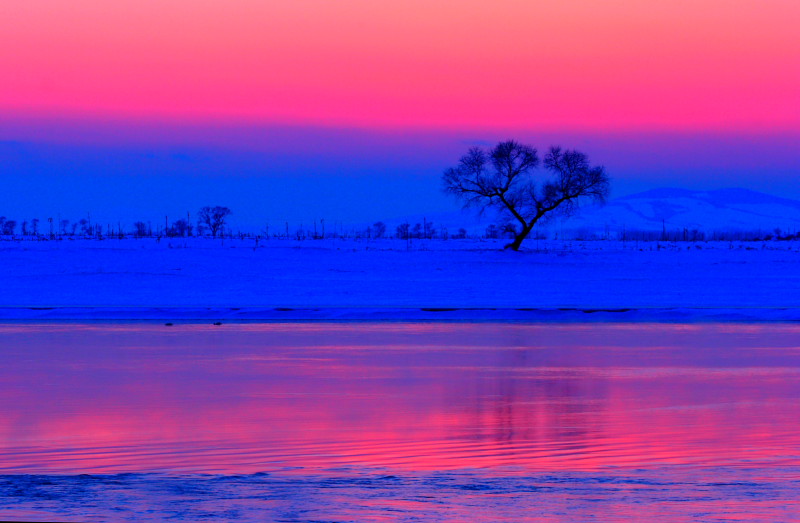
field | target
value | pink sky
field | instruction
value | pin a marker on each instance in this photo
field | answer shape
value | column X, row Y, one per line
column 567, row 64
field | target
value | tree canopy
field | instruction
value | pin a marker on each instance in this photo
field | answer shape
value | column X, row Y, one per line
column 214, row 218
column 506, row 177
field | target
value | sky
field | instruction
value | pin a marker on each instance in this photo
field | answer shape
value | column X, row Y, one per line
column 291, row 110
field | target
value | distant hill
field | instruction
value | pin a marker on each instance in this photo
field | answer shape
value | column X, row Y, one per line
column 731, row 209
column 719, row 210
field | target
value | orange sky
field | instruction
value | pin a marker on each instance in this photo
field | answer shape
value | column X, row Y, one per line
column 567, row 64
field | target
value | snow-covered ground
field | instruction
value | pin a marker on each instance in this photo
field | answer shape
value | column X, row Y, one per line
column 389, row 278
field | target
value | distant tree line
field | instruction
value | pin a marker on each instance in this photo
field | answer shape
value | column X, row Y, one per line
column 212, row 221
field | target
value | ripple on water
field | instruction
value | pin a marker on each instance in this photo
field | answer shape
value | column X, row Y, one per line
column 376, row 422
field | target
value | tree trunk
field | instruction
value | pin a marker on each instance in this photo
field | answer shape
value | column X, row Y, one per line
column 514, row 246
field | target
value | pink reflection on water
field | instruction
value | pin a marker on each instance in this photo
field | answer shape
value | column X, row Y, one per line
column 512, row 398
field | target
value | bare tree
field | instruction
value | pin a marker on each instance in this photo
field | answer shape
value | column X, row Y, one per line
column 503, row 178
column 401, row 232
column 213, row 218
column 8, row 227
column 429, row 231
column 508, row 230
column 86, row 227
column 140, row 229
column 179, row 228
column 380, row 229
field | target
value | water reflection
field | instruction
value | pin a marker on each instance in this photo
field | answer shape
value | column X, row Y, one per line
column 409, row 397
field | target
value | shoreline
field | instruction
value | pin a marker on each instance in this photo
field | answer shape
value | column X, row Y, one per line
column 401, row 314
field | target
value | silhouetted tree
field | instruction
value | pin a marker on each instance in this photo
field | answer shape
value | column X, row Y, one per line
column 213, row 218
column 179, row 228
column 508, row 230
column 35, row 225
column 380, row 229
column 417, row 231
column 140, row 229
column 503, row 178
column 429, row 230
column 9, row 226
column 86, row 228
column 402, row 231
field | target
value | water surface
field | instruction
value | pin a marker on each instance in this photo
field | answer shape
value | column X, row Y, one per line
column 400, row 422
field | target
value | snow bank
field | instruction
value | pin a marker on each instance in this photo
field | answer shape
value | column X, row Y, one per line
column 360, row 280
